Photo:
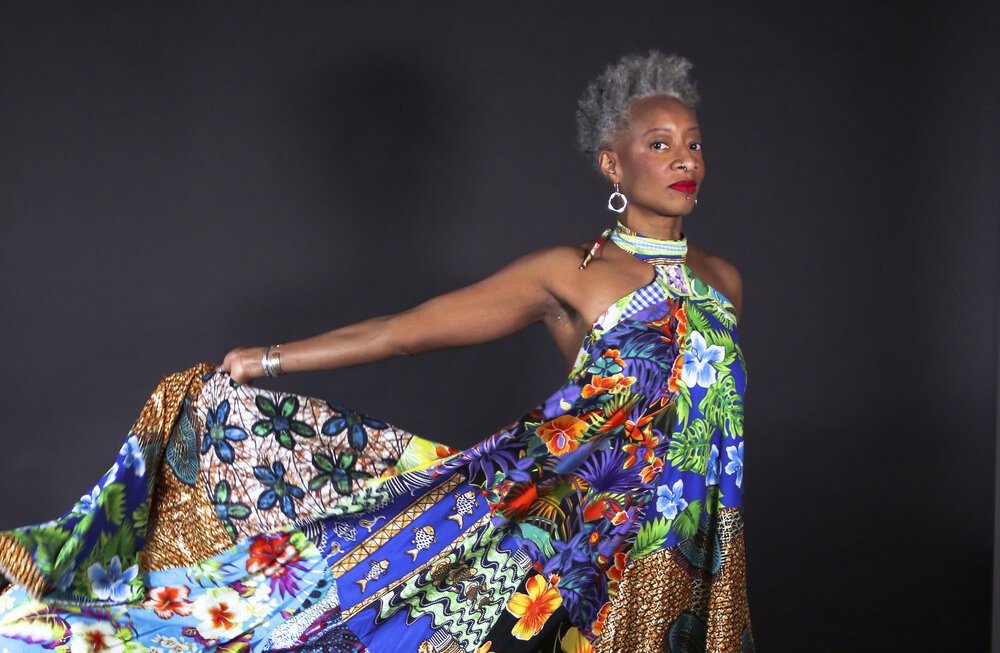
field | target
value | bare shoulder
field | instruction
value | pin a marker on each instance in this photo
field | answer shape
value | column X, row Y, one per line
column 730, row 282
column 555, row 258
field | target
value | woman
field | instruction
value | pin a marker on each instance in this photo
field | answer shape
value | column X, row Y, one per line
column 608, row 517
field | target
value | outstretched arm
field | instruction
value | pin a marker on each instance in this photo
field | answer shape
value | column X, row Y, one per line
column 508, row 300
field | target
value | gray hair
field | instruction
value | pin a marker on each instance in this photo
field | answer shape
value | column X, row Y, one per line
column 603, row 109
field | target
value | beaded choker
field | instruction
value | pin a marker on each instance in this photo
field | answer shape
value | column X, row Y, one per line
column 654, row 251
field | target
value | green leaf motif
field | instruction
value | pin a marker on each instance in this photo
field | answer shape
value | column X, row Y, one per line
column 285, row 439
column 686, row 523
column 222, row 491
column 304, row 545
column 44, row 542
column 697, row 320
column 651, row 537
column 723, row 312
column 67, row 553
column 289, row 406
column 683, row 404
column 718, row 337
column 713, row 497
column 722, row 406
column 689, row 449
column 112, row 500
column 38, row 624
column 322, row 462
column 239, row 511
column 541, row 539
column 266, row 406
column 302, row 429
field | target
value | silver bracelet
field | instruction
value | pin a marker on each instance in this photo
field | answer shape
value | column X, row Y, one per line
column 271, row 362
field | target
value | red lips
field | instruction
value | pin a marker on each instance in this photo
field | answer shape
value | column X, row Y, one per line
column 684, row 185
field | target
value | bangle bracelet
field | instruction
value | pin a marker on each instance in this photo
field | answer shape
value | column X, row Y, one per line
column 271, row 361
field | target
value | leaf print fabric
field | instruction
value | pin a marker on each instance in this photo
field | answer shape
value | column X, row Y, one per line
column 607, row 518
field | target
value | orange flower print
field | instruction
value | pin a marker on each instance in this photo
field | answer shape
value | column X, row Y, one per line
column 652, row 470
column 675, row 373
column 682, row 323
column 614, row 383
column 602, row 616
column 616, row 570
column 615, row 355
column 168, row 601
column 534, row 608
column 641, row 443
column 561, row 433
column 271, row 554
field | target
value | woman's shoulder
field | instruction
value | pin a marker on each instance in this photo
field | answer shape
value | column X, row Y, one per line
column 730, row 281
column 559, row 255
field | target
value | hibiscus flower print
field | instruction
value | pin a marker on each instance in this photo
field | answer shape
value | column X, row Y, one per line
column 534, row 608
column 277, row 559
column 112, row 584
column 735, row 464
column 220, row 612
column 669, row 500
column 132, row 458
column 168, row 601
column 95, row 637
column 698, row 359
column 712, row 478
column 561, row 435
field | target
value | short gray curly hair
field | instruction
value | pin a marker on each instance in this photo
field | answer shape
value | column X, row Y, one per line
column 603, row 108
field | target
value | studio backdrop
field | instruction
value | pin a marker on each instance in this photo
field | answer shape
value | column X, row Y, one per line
column 180, row 180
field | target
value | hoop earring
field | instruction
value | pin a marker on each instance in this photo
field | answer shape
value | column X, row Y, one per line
column 696, row 201
column 612, row 197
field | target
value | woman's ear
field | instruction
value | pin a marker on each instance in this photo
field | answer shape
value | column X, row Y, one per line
column 607, row 161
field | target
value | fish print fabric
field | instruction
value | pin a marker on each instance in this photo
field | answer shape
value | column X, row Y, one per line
column 234, row 518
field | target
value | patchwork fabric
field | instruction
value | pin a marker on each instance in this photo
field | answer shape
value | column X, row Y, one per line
column 609, row 517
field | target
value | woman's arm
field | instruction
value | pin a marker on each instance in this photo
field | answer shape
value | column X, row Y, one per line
column 508, row 300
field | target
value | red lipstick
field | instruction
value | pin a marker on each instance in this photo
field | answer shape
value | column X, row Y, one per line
column 684, row 185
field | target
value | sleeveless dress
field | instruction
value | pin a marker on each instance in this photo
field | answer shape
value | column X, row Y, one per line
column 607, row 518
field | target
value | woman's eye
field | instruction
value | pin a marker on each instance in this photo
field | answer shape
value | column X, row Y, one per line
column 655, row 143
column 696, row 146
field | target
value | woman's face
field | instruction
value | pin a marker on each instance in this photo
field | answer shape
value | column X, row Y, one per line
column 660, row 147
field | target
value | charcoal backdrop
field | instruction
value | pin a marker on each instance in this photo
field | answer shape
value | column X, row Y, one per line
column 184, row 178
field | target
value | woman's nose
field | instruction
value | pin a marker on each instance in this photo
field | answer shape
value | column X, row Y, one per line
column 687, row 164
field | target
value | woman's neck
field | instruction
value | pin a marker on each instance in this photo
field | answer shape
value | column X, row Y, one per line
column 664, row 227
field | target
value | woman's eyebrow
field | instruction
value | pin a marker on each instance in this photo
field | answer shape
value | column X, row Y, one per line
column 668, row 129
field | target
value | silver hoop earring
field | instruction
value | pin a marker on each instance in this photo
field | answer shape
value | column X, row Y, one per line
column 612, row 197
column 696, row 201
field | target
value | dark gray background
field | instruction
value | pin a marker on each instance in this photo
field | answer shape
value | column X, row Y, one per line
column 181, row 180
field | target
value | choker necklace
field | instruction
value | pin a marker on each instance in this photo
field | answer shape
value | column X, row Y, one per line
column 654, row 251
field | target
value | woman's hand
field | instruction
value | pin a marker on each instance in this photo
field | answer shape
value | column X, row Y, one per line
column 243, row 364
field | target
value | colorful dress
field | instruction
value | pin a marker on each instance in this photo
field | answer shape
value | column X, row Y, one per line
column 607, row 518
